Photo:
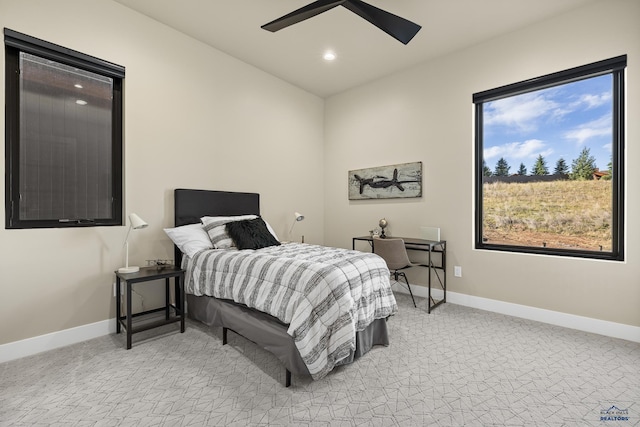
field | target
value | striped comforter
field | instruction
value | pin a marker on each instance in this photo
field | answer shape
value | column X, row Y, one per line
column 324, row 294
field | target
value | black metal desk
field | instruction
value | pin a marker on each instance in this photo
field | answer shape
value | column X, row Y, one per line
column 147, row 274
column 430, row 246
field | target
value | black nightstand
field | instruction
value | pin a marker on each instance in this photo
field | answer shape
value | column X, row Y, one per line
column 147, row 274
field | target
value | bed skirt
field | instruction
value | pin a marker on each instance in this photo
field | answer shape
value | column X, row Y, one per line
column 270, row 333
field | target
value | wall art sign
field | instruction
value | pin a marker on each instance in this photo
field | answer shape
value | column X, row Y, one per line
column 386, row 182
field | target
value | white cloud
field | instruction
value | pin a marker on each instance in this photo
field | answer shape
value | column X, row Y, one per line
column 593, row 101
column 526, row 112
column 595, row 128
column 521, row 111
column 529, row 149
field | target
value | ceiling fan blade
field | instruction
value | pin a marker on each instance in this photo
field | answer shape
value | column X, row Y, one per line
column 305, row 12
column 397, row 27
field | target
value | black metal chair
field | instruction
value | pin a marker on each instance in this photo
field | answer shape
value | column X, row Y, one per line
column 395, row 255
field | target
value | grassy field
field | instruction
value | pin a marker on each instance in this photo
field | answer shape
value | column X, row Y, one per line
column 559, row 214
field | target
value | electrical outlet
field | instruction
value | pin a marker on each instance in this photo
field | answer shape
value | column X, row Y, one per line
column 457, row 271
column 114, row 289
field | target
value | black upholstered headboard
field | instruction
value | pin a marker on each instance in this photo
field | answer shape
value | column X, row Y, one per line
column 191, row 205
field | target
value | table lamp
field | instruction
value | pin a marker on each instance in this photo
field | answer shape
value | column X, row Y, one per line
column 135, row 223
column 298, row 217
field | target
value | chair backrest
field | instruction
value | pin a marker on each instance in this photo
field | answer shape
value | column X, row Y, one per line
column 393, row 252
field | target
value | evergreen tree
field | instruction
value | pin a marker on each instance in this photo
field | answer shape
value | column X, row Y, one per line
column 561, row 167
column 583, row 166
column 540, row 167
column 502, row 168
column 522, row 170
column 610, row 170
column 485, row 169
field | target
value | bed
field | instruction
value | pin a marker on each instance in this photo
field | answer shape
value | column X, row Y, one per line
column 338, row 319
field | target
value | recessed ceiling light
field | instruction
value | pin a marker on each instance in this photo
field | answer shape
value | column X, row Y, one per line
column 81, row 102
column 329, row 56
column 78, row 85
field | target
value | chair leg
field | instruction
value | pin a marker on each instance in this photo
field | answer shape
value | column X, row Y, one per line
column 400, row 273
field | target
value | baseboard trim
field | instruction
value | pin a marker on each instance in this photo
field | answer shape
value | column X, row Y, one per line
column 571, row 321
column 35, row 345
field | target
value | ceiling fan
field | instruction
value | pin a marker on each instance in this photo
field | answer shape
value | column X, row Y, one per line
column 397, row 27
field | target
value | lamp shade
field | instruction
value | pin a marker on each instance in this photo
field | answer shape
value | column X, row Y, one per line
column 137, row 222
column 299, row 216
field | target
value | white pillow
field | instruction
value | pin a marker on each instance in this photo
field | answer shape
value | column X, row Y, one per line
column 216, row 228
column 190, row 238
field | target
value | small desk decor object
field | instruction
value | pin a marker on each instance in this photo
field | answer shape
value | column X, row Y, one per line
column 386, row 182
column 383, row 224
column 430, row 246
column 147, row 274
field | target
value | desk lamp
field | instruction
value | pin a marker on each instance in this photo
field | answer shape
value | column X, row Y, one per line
column 135, row 223
column 298, row 217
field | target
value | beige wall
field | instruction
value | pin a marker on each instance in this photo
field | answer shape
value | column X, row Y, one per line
column 426, row 114
column 194, row 118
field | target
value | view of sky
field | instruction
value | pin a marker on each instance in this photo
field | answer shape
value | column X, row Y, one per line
column 557, row 123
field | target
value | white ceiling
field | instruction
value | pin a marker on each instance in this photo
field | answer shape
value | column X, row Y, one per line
column 364, row 53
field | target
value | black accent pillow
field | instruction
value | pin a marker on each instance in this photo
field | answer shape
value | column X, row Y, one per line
column 251, row 234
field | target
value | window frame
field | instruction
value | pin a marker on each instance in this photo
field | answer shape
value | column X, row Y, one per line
column 616, row 68
column 15, row 43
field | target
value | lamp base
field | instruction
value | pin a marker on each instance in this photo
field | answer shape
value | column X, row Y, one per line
column 131, row 269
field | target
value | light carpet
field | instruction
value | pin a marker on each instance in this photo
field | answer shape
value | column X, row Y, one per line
column 457, row 366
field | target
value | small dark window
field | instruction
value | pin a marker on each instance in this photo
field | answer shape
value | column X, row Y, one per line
column 549, row 164
column 63, row 136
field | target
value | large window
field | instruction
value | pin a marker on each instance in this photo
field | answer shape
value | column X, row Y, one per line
column 63, row 141
column 549, row 164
